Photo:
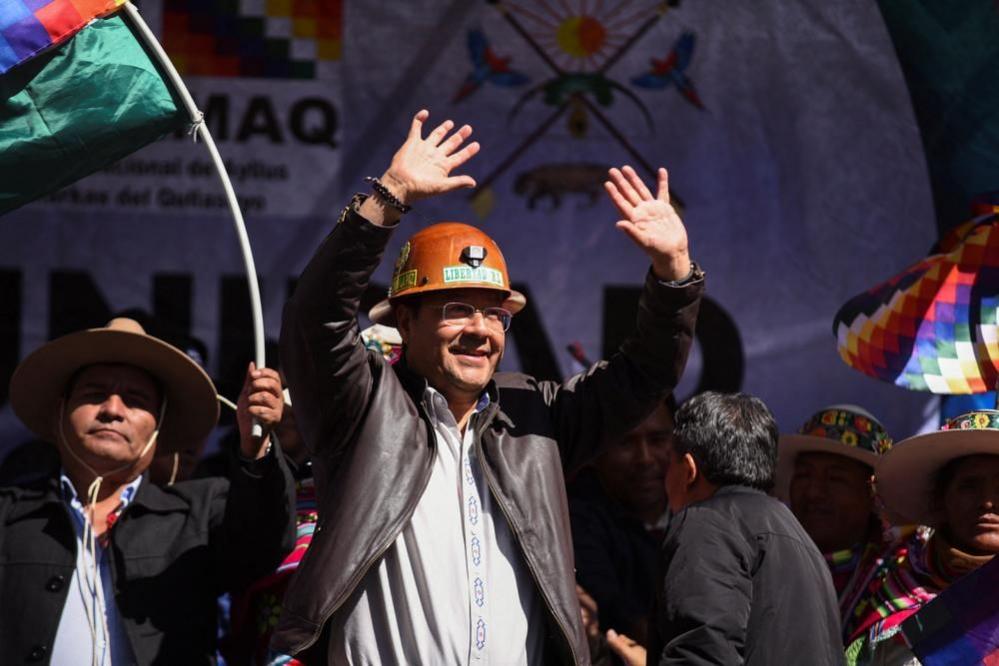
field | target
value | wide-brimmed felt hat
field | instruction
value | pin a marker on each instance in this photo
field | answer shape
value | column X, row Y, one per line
column 843, row 430
column 40, row 381
column 906, row 477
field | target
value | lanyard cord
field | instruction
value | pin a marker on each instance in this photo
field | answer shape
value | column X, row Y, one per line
column 96, row 609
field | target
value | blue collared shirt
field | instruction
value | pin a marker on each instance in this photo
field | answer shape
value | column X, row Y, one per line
column 74, row 642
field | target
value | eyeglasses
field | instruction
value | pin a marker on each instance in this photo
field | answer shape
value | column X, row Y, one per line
column 459, row 314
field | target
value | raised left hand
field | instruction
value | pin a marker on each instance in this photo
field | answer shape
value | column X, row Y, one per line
column 650, row 221
column 260, row 399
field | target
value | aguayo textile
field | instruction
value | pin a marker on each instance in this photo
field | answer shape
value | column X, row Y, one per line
column 787, row 129
column 255, row 612
column 913, row 572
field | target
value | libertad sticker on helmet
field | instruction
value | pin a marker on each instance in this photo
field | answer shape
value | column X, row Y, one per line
column 467, row 274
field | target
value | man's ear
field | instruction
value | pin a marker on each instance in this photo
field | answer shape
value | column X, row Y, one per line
column 403, row 320
column 690, row 471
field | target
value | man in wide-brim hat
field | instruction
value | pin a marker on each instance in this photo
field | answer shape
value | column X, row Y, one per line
column 947, row 481
column 824, row 473
column 101, row 566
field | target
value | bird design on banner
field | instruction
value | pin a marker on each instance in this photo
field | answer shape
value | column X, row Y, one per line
column 579, row 41
column 672, row 70
column 487, row 66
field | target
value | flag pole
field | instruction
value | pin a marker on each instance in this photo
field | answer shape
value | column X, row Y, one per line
column 201, row 128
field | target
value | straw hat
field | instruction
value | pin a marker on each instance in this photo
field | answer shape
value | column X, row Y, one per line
column 843, row 430
column 447, row 255
column 907, row 475
column 39, row 382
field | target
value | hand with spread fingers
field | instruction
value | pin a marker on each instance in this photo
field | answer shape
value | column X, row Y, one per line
column 651, row 222
column 422, row 167
column 260, row 399
column 630, row 652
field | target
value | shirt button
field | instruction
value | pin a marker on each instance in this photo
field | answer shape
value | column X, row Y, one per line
column 38, row 653
column 55, row 583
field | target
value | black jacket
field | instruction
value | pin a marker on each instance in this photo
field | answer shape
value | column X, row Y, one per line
column 617, row 559
column 373, row 446
column 173, row 551
column 742, row 583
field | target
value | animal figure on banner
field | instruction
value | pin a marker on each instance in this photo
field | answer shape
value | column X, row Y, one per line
column 578, row 46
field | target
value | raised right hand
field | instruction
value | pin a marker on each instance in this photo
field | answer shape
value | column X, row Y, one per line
column 422, row 167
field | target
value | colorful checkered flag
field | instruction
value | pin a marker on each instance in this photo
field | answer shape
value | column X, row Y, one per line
column 78, row 91
column 933, row 327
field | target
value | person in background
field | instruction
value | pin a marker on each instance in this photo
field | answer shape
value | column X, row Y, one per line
column 741, row 581
column 619, row 515
column 255, row 610
column 948, row 482
column 105, row 566
column 825, row 472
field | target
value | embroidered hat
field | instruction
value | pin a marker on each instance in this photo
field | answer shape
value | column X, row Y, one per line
column 907, row 475
column 40, row 381
column 447, row 255
column 844, row 430
column 934, row 326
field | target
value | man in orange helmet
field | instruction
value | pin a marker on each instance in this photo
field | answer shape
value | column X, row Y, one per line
column 443, row 533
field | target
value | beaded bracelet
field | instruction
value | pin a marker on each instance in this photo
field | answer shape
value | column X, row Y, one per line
column 385, row 195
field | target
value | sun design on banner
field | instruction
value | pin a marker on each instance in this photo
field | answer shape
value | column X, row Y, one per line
column 580, row 35
column 271, row 39
column 579, row 41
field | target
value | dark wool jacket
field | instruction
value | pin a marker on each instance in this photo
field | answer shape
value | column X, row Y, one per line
column 373, row 446
column 173, row 550
column 742, row 583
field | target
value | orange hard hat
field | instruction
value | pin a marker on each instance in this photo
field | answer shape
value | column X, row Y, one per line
column 447, row 255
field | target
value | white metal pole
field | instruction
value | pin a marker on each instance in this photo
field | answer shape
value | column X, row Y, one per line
column 237, row 215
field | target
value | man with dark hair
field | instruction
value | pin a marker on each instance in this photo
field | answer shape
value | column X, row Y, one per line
column 825, row 474
column 98, row 565
column 443, row 533
column 742, row 583
column 617, row 506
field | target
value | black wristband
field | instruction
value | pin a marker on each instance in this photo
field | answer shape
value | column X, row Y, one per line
column 695, row 273
column 385, row 195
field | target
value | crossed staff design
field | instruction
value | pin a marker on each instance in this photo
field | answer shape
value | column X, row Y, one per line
column 577, row 98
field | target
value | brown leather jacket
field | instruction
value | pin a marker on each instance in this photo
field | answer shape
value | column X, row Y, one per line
column 373, row 446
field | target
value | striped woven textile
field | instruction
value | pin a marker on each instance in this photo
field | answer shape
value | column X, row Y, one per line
column 255, row 612
column 28, row 27
column 908, row 578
